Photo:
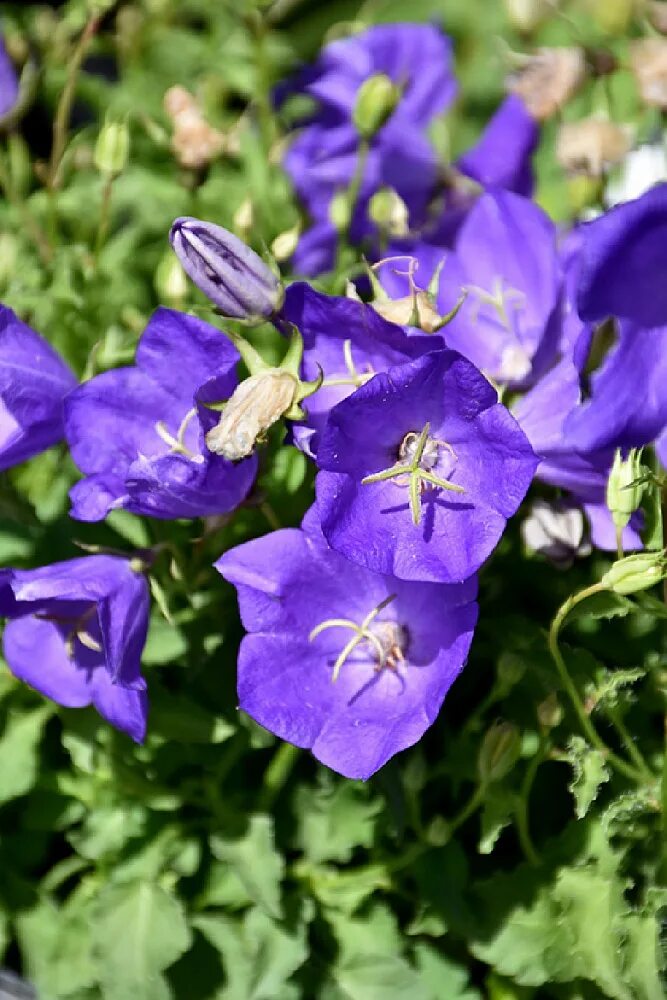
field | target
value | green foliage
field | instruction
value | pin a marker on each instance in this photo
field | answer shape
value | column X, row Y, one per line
column 209, row 864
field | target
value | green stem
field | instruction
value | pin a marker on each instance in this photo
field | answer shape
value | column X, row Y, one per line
column 103, row 225
column 277, row 773
column 64, row 108
column 633, row 750
column 521, row 807
column 37, row 235
column 584, row 720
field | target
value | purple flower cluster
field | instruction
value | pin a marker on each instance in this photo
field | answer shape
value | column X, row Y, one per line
column 424, row 443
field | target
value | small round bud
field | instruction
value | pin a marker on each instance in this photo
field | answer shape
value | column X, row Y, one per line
column 550, row 711
column 635, row 573
column 510, row 669
column 340, row 213
column 171, row 283
column 624, row 493
column 388, row 210
column 527, row 15
column 112, row 148
column 253, row 408
column 244, row 217
column 285, row 243
column 377, row 98
column 499, row 752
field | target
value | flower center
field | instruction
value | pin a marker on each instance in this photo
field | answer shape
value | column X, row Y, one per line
column 418, row 455
column 386, row 640
column 77, row 629
column 353, row 377
column 177, row 443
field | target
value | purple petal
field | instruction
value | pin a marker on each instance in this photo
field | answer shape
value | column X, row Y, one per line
column 125, row 708
column 123, row 618
column 502, row 156
column 9, row 84
column 36, row 654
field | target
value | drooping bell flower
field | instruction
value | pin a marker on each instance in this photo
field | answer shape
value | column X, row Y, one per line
column 34, row 380
column 421, row 469
column 351, row 664
column 76, row 632
column 138, row 433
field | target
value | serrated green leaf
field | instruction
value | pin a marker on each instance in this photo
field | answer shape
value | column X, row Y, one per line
column 335, row 820
column 604, row 604
column 254, row 861
column 382, row 977
column 19, row 748
column 139, row 930
column 373, row 932
column 496, row 815
column 641, row 957
column 442, row 976
column 57, row 945
column 590, row 773
column 612, row 684
column 259, row 955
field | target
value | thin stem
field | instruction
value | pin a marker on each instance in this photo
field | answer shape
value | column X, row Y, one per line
column 584, row 720
column 37, row 235
column 63, row 111
column 619, row 542
column 521, row 806
column 103, row 225
column 633, row 750
column 277, row 774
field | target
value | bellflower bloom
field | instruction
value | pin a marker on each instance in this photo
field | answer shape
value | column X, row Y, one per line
column 501, row 157
column 227, row 271
column 33, row 383
column 9, row 84
column 348, row 342
column 422, row 467
column 544, row 414
column 76, row 633
column 622, row 267
column 138, row 433
column 349, row 663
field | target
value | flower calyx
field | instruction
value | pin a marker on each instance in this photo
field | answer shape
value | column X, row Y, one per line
column 267, row 395
column 418, row 308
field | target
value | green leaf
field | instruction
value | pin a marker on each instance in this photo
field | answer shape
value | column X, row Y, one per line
column 139, row 930
column 590, row 773
column 373, row 932
column 256, row 864
column 497, row 813
column 344, row 889
column 19, row 749
column 259, row 955
column 382, row 977
column 612, row 683
column 641, row 964
column 165, row 642
column 604, row 604
column 335, row 820
column 57, row 946
column 442, row 976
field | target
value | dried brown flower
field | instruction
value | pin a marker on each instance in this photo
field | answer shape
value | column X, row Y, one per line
column 548, row 79
column 592, row 145
column 255, row 406
column 194, row 142
column 648, row 59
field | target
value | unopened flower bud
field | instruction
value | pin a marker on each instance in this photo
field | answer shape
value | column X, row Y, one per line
column 227, row 271
column 112, row 148
column 254, row 407
column 388, row 210
column 592, row 145
column 244, row 217
column 376, row 99
column 634, row 573
column 648, row 59
column 340, row 212
column 546, row 80
column 550, row 711
column 171, row 283
column 624, row 492
column 613, row 16
column 510, row 669
column 499, row 752
column 285, row 243
column 527, row 15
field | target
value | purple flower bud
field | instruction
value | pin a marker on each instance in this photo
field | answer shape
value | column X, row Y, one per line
column 228, row 272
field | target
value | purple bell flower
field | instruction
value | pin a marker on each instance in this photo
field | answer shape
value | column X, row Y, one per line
column 623, row 262
column 349, row 663
column 348, row 342
column 76, row 633
column 9, row 83
column 33, row 383
column 501, row 158
column 422, row 467
column 138, row 433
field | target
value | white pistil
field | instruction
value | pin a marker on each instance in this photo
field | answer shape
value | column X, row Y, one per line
column 386, row 638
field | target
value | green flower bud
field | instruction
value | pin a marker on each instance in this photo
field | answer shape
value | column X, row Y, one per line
column 112, row 148
column 339, row 211
column 550, row 711
column 388, row 210
column 171, row 283
column 376, row 99
column 527, row 15
column 624, row 494
column 635, row 573
column 499, row 752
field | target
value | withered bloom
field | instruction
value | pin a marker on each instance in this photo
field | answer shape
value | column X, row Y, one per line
column 648, row 59
column 257, row 403
column 195, row 143
column 548, row 79
column 591, row 146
